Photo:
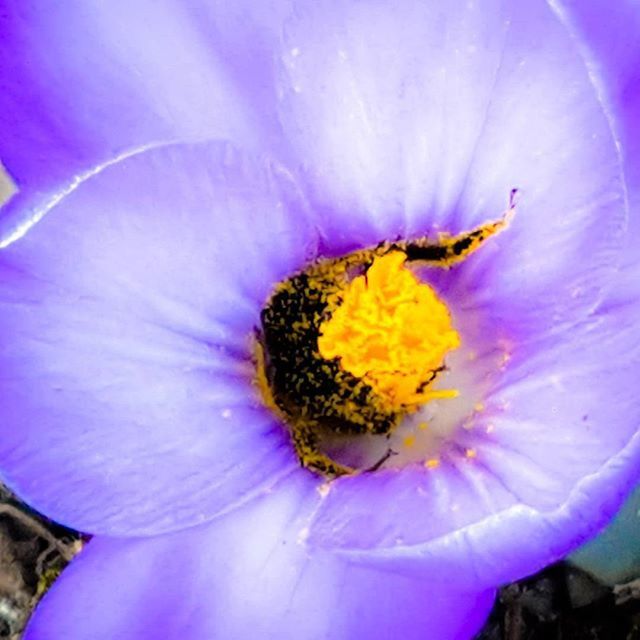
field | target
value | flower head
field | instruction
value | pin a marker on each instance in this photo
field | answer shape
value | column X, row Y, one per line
column 130, row 298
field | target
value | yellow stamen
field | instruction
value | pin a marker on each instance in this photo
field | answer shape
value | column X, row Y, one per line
column 470, row 453
column 432, row 463
column 392, row 331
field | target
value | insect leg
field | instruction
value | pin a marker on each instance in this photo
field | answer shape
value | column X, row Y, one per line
column 306, row 444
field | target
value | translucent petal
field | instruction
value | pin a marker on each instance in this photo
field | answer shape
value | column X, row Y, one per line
column 127, row 315
column 245, row 575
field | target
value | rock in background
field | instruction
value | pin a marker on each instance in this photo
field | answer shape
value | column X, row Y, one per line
column 33, row 552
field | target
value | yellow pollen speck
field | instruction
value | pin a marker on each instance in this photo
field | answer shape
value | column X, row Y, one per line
column 432, row 463
column 392, row 331
column 423, row 426
column 479, row 407
column 470, row 453
column 409, row 441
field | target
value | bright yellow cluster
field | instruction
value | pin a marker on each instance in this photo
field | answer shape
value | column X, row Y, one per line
column 392, row 331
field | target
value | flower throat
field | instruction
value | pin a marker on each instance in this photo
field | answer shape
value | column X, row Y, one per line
column 351, row 345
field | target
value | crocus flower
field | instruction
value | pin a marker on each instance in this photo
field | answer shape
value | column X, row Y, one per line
column 130, row 290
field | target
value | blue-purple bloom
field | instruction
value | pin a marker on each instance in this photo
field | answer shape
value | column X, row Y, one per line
column 133, row 272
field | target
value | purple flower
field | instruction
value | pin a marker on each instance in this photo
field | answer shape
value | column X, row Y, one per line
column 126, row 312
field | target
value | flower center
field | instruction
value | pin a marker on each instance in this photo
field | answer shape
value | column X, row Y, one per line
column 350, row 346
column 391, row 331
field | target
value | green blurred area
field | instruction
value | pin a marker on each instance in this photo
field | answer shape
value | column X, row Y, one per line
column 613, row 557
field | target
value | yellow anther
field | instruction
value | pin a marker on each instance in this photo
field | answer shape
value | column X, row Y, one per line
column 470, row 453
column 392, row 331
column 432, row 463
column 409, row 441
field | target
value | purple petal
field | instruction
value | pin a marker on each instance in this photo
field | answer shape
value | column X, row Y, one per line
column 610, row 36
column 423, row 117
column 556, row 448
column 628, row 114
column 520, row 540
column 243, row 576
column 82, row 84
column 608, row 33
column 126, row 317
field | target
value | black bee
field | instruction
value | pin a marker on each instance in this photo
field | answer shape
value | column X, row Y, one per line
column 315, row 395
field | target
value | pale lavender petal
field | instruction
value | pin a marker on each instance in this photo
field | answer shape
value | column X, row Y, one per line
column 421, row 117
column 558, row 438
column 126, row 316
column 520, row 540
column 246, row 576
column 405, row 120
column 609, row 34
column 83, row 83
